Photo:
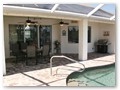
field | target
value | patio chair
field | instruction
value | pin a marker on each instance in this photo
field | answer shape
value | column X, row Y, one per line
column 31, row 53
column 23, row 48
column 23, row 45
column 45, row 53
column 16, row 52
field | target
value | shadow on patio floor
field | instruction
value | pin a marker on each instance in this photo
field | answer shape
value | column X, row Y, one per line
column 13, row 68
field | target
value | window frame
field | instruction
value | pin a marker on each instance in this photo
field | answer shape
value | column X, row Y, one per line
column 89, row 31
column 77, row 30
column 89, row 34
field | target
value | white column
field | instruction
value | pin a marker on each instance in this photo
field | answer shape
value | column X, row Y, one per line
column 2, row 49
column 4, row 64
column 83, row 36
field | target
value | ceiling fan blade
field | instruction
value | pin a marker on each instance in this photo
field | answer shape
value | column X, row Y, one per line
column 22, row 22
column 55, row 24
column 61, row 22
column 66, row 23
column 34, row 22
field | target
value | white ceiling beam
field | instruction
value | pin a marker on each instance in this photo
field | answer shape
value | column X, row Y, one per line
column 112, row 17
column 94, row 10
column 54, row 8
column 36, row 5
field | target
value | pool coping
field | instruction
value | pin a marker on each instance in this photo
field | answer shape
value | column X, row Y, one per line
column 100, row 65
column 89, row 68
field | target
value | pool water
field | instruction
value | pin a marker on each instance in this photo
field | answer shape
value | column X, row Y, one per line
column 95, row 76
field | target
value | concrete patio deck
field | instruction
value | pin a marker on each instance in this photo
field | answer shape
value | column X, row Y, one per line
column 42, row 77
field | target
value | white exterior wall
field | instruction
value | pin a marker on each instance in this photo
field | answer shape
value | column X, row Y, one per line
column 94, row 35
column 55, row 35
column 112, row 30
column 97, row 30
column 65, row 46
column 73, row 47
column 15, row 20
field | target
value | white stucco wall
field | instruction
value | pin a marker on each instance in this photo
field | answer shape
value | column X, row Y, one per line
column 55, row 35
column 94, row 35
column 97, row 30
column 15, row 20
column 112, row 30
column 65, row 46
column 73, row 47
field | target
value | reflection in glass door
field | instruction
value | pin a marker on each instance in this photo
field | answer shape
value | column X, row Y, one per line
column 45, row 35
column 31, row 34
column 16, row 34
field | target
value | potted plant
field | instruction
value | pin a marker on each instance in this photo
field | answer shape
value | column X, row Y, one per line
column 57, row 46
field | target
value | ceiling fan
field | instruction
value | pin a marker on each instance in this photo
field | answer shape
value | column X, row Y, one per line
column 28, row 22
column 61, row 23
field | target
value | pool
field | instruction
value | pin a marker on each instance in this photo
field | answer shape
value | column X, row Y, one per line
column 94, row 76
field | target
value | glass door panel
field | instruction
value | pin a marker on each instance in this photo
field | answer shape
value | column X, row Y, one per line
column 16, row 34
column 31, row 34
column 45, row 35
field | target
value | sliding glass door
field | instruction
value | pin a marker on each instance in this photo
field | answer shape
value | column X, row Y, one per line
column 16, row 34
column 40, row 36
column 45, row 35
column 31, row 34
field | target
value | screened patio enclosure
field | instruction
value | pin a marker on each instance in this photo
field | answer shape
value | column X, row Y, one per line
column 86, row 25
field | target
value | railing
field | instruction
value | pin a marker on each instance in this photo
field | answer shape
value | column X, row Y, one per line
column 62, row 56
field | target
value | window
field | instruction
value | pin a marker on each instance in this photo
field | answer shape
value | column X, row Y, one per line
column 45, row 34
column 73, row 34
column 89, row 34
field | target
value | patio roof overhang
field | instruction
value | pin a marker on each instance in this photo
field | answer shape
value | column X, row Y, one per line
column 53, row 13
